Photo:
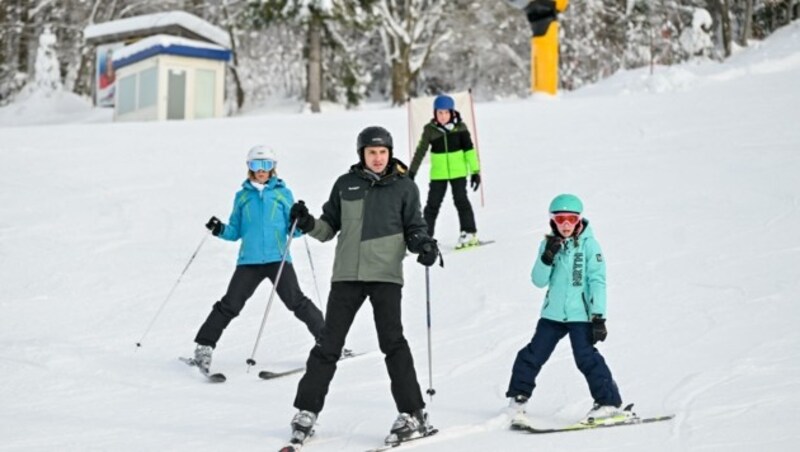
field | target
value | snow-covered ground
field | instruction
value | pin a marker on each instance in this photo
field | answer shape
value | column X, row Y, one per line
column 690, row 178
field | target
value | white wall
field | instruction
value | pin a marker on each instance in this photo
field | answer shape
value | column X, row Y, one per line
column 191, row 65
column 165, row 63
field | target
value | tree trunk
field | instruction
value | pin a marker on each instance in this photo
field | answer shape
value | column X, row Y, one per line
column 400, row 82
column 23, row 55
column 314, row 71
column 727, row 34
column 240, row 96
column 723, row 12
column 747, row 24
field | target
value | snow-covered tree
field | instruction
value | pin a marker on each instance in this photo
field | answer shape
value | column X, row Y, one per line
column 696, row 39
column 329, row 44
column 409, row 30
column 47, row 78
column 488, row 51
column 593, row 39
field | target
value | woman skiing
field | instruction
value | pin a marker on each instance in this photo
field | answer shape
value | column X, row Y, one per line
column 570, row 264
column 260, row 218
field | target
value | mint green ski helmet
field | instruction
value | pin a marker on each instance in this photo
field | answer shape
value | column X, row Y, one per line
column 566, row 203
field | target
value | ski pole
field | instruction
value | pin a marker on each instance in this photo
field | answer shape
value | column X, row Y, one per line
column 313, row 273
column 169, row 295
column 250, row 361
column 430, row 390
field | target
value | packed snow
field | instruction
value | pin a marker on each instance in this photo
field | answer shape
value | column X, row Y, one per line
column 689, row 178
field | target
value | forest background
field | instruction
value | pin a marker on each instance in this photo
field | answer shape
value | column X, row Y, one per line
column 348, row 52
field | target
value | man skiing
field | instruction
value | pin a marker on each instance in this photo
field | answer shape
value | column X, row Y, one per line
column 375, row 210
column 453, row 158
column 571, row 265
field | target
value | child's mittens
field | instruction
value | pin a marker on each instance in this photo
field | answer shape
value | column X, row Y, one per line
column 551, row 249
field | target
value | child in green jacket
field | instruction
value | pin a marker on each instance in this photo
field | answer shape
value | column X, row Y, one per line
column 453, row 158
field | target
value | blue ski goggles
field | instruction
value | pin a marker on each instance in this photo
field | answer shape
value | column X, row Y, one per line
column 261, row 165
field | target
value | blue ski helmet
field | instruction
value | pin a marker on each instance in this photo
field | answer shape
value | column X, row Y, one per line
column 444, row 102
column 566, row 203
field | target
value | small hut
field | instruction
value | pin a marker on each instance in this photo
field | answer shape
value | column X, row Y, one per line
column 160, row 66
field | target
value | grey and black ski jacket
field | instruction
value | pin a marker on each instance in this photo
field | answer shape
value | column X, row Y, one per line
column 376, row 219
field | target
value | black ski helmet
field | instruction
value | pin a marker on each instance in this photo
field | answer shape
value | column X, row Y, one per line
column 373, row 136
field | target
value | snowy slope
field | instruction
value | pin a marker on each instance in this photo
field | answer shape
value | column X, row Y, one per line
column 692, row 190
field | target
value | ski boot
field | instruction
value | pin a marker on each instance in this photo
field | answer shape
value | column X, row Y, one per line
column 408, row 426
column 202, row 357
column 467, row 239
column 516, row 409
column 602, row 414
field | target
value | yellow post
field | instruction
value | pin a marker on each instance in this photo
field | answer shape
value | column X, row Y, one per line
column 544, row 64
column 542, row 15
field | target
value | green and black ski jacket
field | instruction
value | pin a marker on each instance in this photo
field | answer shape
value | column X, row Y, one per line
column 452, row 152
column 376, row 218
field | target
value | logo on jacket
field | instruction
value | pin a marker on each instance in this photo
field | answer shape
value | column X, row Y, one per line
column 577, row 270
column 353, row 188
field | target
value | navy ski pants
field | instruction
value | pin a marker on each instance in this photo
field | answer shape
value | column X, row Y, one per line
column 533, row 356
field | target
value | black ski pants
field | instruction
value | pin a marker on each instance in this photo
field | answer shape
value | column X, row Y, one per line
column 243, row 284
column 436, row 192
column 344, row 301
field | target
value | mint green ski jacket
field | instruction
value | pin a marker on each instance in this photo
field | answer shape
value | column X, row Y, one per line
column 576, row 281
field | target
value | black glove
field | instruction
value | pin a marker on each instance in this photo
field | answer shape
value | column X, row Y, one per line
column 215, row 226
column 475, row 181
column 299, row 212
column 428, row 252
column 411, row 174
column 551, row 249
column 599, row 331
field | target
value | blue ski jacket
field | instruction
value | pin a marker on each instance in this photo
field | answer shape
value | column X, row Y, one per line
column 576, row 280
column 261, row 220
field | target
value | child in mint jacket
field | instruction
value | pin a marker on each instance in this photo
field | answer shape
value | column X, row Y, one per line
column 570, row 265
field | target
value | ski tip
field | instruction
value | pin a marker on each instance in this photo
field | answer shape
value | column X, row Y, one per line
column 217, row 378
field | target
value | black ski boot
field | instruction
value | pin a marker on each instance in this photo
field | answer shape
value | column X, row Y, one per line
column 408, row 426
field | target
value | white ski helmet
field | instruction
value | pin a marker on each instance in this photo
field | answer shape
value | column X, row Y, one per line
column 261, row 152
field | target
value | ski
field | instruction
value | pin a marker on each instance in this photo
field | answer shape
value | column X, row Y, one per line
column 297, row 441
column 213, row 378
column 391, row 446
column 271, row 375
column 472, row 247
column 619, row 421
column 291, row 447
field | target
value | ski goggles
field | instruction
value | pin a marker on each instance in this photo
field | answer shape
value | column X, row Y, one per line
column 261, row 165
column 569, row 218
